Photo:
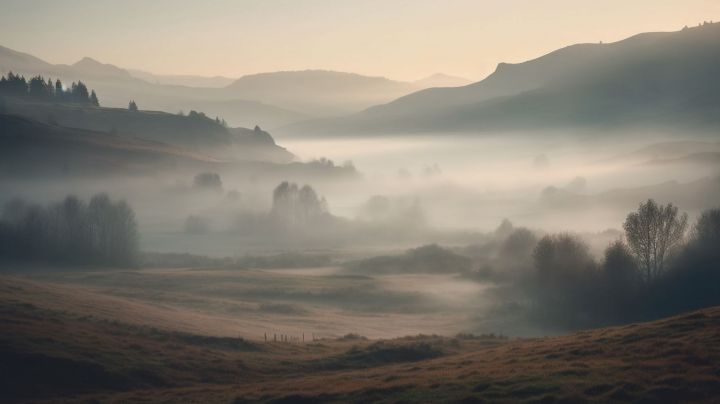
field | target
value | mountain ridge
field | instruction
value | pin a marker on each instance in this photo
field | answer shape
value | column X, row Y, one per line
column 633, row 81
column 269, row 99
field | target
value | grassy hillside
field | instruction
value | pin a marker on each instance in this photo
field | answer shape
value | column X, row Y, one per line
column 151, row 125
column 195, row 131
column 57, row 345
column 29, row 147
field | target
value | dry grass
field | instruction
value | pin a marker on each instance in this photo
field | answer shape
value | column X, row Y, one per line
column 56, row 345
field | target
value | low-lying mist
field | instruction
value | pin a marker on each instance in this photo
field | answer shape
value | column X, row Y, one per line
column 448, row 225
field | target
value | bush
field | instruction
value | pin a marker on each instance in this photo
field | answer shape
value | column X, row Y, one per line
column 208, row 181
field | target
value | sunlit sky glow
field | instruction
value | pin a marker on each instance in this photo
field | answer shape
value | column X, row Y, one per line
column 400, row 39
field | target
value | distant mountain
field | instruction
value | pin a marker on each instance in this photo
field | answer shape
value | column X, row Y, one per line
column 318, row 92
column 267, row 99
column 22, row 62
column 649, row 79
column 89, row 67
column 181, row 79
column 441, row 80
column 116, row 87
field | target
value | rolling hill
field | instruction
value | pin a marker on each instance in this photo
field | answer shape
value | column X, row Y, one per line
column 664, row 78
column 68, row 343
column 29, row 148
column 193, row 132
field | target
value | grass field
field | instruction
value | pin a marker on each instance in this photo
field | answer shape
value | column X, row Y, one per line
column 104, row 337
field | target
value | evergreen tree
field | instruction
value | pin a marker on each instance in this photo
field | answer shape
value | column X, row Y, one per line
column 94, row 99
column 59, row 92
column 14, row 85
column 80, row 93
column 39, row 88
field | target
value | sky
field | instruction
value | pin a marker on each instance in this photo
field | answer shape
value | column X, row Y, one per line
column 399, row 39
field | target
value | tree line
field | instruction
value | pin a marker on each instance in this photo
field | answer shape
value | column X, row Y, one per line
column 99, row 232
column 38, row 88
column 658, row 269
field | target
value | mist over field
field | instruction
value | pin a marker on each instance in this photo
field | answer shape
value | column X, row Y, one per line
column 241, row 230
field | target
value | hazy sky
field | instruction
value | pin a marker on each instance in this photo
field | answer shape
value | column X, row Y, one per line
column 400, row 39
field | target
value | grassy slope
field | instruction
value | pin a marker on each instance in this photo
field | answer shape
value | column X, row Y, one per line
column 55, row 343
column 25, row 142
column 197, row 133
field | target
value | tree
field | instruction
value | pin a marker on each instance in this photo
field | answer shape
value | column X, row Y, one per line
column 652, row 232
column 80, row 93
column 518, row 246
column 125, row 235
column 619, row 287
column 619, row 265
column 71, row 232
column 706, row 232
column 14, row 85
column 293, row 205
column 209, row 181
column 561, row 257
column 132, row 106
column 39, row 88
column 504, row 230
column 564, row 286
column 59, row 92
column 94, row 99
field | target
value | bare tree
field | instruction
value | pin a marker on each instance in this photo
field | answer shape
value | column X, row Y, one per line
column 652, row 232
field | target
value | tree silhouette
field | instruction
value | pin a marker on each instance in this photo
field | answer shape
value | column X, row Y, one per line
column 39, row 88
column 70, row 232
column 80, row 93
column 652, row 231
column 59, row 92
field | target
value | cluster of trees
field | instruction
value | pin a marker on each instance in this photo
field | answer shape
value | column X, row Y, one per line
column 295, row 206
column 658, row 270
column 201, row 116
column 100, row 232
column 38, row 88
column 208, row 181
